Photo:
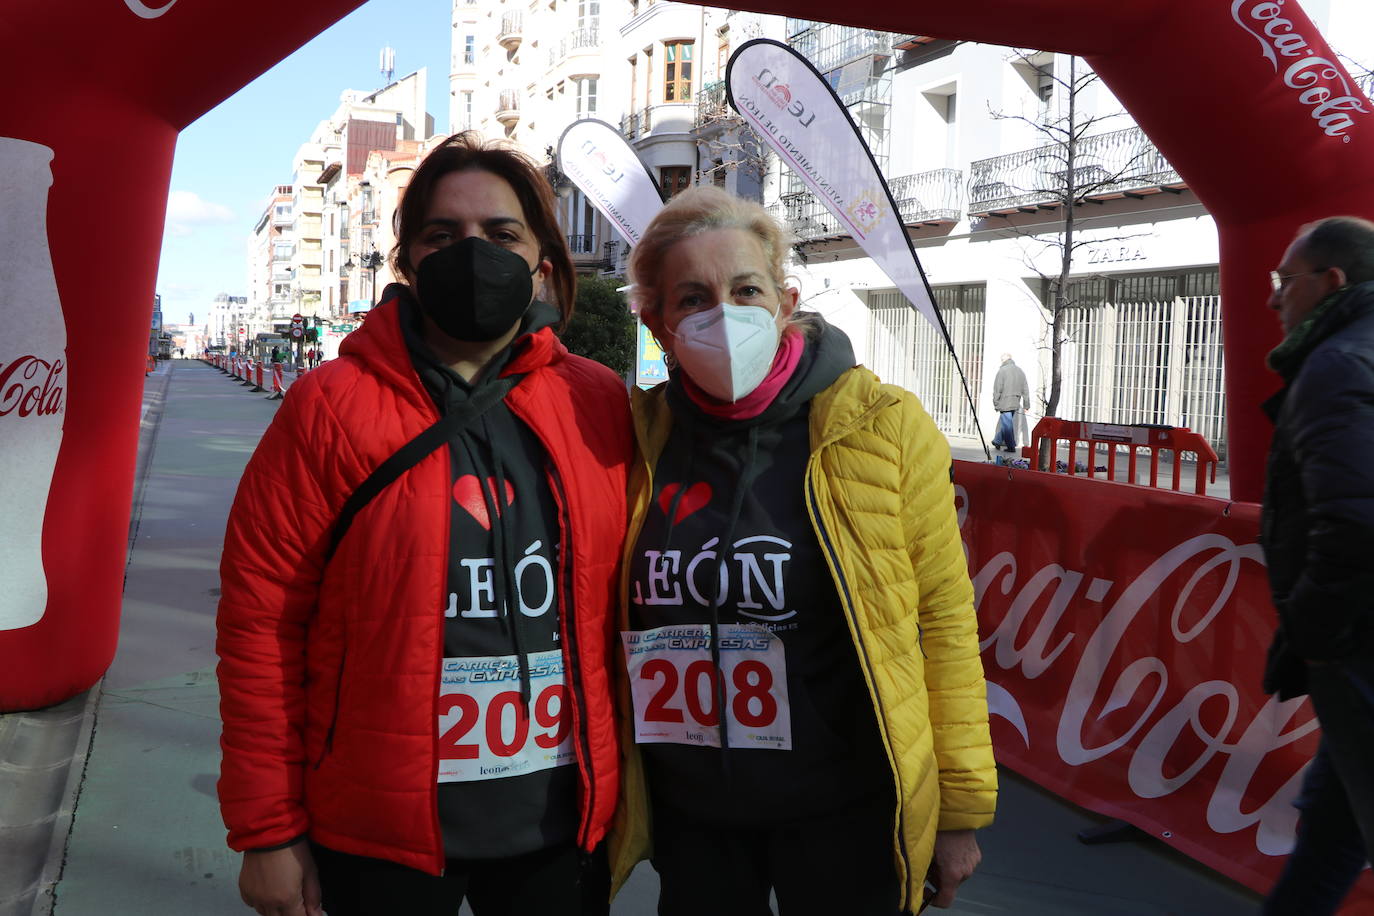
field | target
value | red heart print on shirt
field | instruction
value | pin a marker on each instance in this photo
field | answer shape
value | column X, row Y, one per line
column 468, row 494
column 697, row 496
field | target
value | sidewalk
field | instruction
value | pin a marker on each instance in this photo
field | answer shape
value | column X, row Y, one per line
column 147, row 839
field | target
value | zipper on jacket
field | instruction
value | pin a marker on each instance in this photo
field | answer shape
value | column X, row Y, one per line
column 338, row 702
column 572, row 658
column 846, row 601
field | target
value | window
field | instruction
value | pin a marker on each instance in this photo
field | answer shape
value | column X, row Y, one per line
column 677, row 71
column 722, row 52
column 586, row 97
column 588, row 14
column 674, row 179
column 634, row 83
column 469, row 49
column 467, row 110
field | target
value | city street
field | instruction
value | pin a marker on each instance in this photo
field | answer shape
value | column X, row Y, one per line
column 147, row 837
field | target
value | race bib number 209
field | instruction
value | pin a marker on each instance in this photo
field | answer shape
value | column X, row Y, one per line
column 484, row 729
column 672, row 681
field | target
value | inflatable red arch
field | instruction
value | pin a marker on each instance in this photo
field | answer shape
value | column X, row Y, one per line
column 1243, row 97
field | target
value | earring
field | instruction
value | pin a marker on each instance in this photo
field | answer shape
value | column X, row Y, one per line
column 670, row 360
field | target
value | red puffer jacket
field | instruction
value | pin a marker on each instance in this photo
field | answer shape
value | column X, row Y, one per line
column 329, row 674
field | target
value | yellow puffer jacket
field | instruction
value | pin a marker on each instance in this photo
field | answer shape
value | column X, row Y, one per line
column 879, row 494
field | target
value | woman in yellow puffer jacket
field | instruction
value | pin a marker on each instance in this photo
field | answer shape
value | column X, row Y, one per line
column 794, row 562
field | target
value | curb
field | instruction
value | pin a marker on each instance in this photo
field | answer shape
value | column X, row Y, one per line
column 44, row 753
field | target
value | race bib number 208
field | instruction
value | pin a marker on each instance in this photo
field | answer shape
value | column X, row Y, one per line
column 672, row 681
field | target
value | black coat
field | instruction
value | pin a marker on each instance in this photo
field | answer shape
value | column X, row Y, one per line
column 1317, row 526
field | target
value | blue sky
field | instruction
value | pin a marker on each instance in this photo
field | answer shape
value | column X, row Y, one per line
column 228, row 162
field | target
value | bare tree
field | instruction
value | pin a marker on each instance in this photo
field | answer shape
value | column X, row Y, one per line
column 1065, row 174
column 725, row 144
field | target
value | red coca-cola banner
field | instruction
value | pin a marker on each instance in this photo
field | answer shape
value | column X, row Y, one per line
column 1124, row 632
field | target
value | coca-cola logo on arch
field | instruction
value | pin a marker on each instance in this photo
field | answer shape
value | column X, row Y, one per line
column 144, row 11
column 32, row 386
column 1320, row 83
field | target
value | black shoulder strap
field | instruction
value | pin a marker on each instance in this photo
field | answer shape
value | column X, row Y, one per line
column 415, row 451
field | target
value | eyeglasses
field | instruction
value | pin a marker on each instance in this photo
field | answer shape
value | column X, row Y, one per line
column 1279, row 281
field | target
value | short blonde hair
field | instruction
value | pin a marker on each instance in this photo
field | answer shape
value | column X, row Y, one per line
column 693, row 212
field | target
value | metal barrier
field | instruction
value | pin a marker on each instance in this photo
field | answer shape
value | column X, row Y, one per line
column 1155, row 439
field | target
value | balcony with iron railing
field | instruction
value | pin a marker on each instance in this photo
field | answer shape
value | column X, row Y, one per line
column 808, row 218
column 830, row 46
column 584, row 39
column 636, row 124
column 512, row 30
column 612, row 250
column 928, row 198
column 586, row 253
column 508, row 108
column 1122, row 163
column 712, row 106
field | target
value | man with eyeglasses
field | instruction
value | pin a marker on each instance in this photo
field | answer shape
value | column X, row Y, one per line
column 1317, row 529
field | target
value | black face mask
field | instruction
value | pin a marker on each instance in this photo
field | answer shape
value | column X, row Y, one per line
column 474, row 290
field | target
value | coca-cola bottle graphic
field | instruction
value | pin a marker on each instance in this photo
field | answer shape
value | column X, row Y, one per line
column 33, row 379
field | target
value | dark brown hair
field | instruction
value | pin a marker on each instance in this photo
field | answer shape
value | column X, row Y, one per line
column 1346, row 242
column 468, row 151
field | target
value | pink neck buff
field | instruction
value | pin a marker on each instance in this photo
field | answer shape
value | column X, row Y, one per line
column 757, row 401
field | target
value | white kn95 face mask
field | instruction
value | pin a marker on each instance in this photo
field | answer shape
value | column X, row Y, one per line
column 727, row 350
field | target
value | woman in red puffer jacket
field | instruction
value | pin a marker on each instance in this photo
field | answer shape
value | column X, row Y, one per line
column 416, row 708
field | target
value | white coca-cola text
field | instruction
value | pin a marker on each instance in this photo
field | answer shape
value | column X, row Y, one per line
column 1033, row 644
column 30, row 386
column 144, row 11
column 1321, row 84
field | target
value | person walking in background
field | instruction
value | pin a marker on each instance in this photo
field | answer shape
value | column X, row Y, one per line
column 804, row 705
column 1316, row 528
column 1010, row 395
column 417, row 709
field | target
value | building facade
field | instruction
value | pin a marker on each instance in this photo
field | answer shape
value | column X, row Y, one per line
column 971, row 139
column 319, row 247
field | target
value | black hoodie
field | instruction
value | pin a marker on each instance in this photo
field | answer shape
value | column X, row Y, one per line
column 498, row 536
column 742, row 482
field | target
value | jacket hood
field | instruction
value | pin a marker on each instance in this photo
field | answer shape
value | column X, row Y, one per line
column 380, row 343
